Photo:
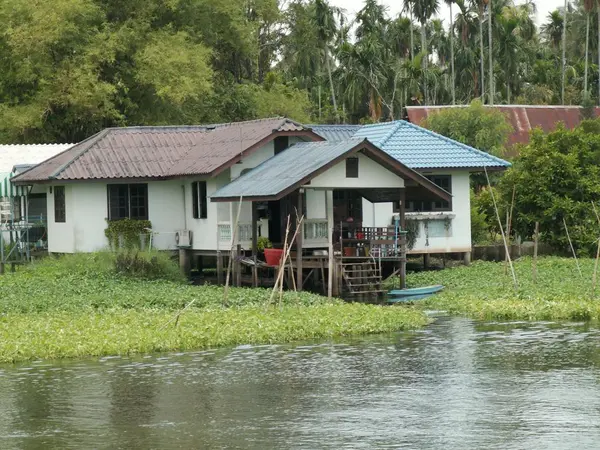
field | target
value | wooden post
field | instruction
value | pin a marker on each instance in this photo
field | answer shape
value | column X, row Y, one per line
column 329, row 214
column 536, row 238
column 426, row 260
column 299, row 237
column 254, row 244
column 402, row 239
column 238, row 266
column 219, row 268
column 402, row 212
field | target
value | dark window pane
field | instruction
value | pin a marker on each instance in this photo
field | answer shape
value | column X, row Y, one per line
column 195, row 200
column 118, row 201
column 138, row 200
column 59, row 204
column 352, row 168
column 202, row 199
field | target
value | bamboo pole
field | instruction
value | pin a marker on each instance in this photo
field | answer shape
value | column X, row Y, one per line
column 512, row 269
column 284, row 260
column 509, row 217
column 595, row 276
column 230, row 262
column 572, row 248
column 536, row 238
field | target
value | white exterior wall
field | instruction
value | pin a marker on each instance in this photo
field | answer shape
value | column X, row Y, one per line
column 87, row 212
column 60, row 235
column 458, row 238
column 370, row 175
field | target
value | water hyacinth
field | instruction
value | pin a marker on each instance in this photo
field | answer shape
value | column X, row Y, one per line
column 81, row 305
column 485, row 291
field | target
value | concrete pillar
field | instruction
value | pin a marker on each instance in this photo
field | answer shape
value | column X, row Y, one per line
column 185, row 263
column 426, row 261
column 467, row 258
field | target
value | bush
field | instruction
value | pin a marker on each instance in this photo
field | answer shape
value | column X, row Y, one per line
column 147, row 265
column 557, row 177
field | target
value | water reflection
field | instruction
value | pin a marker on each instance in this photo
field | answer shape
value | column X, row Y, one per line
column 456, row 384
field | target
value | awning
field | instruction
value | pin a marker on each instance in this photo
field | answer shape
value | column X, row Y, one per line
column 7, row 189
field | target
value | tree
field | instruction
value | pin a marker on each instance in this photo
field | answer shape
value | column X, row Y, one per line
column 588, row 5
column 557, row 176
column 480, row 5
column 326, row 31
column 453, row 86
column 483, row 128
column 424, row 10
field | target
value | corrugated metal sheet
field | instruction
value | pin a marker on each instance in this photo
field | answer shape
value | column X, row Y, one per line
column 335, row 132
column 155, row 152
column 284, row 170
column 523, row 119
column 419, row 148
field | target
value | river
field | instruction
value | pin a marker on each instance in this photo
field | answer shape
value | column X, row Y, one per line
column 456, row 384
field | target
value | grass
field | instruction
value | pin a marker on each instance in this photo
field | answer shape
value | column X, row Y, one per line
column 483, row 291
column 94, row 304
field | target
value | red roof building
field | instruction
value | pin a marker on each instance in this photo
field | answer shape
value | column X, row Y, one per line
column 523, row 118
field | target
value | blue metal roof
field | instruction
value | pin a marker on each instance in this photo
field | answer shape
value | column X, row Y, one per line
column 285, row 169
column 419, row 148
column 335, row 132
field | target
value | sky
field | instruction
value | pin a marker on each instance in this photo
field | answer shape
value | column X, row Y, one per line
column 395, row 6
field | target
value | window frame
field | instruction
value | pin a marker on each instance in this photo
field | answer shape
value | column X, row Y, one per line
column 433, row 205
column 352, row 171
column 199, row 200
column 131, row 196
column 60, row 204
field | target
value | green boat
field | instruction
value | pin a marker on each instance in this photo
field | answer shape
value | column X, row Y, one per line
column 409, row 295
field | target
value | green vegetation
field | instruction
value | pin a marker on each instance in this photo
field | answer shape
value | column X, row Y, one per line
column 72, row 67
column 556, row 178
column 480, row 127
column 484, row 291
column 129, row 231
column 91, row 304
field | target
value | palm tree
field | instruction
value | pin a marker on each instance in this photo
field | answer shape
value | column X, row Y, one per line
column 588, row 6
column 489, row 8
column 423, row 10
column 564, row 51
column 553, row 29
column 326, row 31
column 480, row 5
column 408, row 7
column 453, row 86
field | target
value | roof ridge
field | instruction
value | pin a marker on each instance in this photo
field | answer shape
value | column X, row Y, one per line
column 87, row 145
column 455, row 142
column 397, row 125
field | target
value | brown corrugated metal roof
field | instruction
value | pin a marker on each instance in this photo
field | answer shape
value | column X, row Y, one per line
column 522, row 118
column 160, row 152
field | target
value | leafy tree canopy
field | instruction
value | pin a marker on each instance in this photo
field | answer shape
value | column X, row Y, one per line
column 557, row 176
column 480, row 127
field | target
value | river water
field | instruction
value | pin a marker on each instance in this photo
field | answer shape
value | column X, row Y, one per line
column 457, row 384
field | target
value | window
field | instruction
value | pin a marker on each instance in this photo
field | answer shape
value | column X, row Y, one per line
column 414, row 205
column 352, row 168
column 128, row 201
column 60, row 210
column 445, row 182
column 199, row 200
column 281, row 143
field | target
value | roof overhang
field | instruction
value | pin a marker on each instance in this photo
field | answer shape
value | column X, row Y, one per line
column 369, row 150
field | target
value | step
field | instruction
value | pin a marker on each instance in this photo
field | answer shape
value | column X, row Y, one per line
column 374, row 277
column 363, row 284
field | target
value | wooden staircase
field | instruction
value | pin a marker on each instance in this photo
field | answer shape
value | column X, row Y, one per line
column 362, row 278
